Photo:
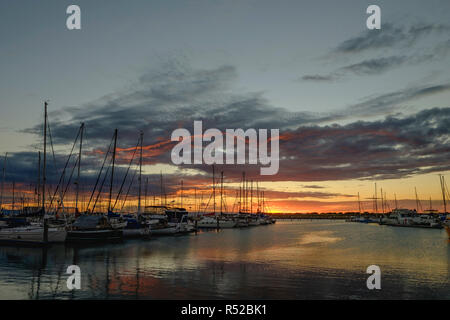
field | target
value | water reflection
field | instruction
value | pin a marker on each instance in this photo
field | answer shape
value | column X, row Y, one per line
column 308, row 259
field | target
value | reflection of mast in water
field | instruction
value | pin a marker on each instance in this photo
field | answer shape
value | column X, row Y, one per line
column 74, row 262
column 137, row 276
column 108, row 281
column 42, row 265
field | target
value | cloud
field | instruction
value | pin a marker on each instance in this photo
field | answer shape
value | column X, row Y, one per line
column 385, row 103
column 365, row 67
column 392, row 147
column 388, row 38
column 389, row 148
column 374, row 66
column 317, row 77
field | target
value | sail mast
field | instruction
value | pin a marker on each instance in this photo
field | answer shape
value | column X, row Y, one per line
column 214, row 190
column 44, row 177
column 112, row 169
column 181, row 195
column 221, row 193
column 161, row 186
column 3, row 181
column 441, row 178
column 79, row 168
column 140, row 174
column 359, row 203
column 38, row 189
column 251, row 196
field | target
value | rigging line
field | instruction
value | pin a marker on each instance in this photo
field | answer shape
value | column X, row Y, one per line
column 446, row 189
column 68, row 183
column 207, row 204
column 101, row 187
column 99, row 174
column 55, row 168
column 67, row 162
column 129, row 188
column 126, row 175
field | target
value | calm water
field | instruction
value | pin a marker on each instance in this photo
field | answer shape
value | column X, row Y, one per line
column 288, row 260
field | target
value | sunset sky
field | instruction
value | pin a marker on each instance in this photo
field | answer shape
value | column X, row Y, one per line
column 354, row 106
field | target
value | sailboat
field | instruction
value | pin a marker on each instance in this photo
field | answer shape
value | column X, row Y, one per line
column 93, row 228
column 214, row 220
column 136, row 226
column 39, row 234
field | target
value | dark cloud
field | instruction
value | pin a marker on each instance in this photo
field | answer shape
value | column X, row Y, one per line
column 389, row 148
column 317, row 77
column 313, row 186
column 394, row 38
column 374, row 66
column 385, row 103
column 388, row 36
column 394, row 147
column 365, row 67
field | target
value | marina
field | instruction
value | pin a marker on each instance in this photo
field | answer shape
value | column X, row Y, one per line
column 319, row 259
column 52, row 223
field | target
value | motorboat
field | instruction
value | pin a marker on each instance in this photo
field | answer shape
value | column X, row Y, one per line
column 410, row 218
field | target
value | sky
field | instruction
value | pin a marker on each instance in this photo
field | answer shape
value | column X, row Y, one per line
column 354, row 106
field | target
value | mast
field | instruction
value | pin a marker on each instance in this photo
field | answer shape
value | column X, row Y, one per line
column 112, row 169
column 376, row 199
column 251, row 196
column 161, row 187
column 14, row 195
column 214, row 189
column 195, row 200
column 359, row 203
column 441, row 178
column 39, row 181
column 44, row 177
column 181, row 195
column 263, row 202
column 146, row 192
column 221, row 192
column 417, row 200
column 240, row 199
column 140, row 174
column 3, row 181
column 243, row 192
column 257, row 196
column 79, row 168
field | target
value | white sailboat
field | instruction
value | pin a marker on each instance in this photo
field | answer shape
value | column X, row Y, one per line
column 216, row 222
column 36, row 234
column 32, row 235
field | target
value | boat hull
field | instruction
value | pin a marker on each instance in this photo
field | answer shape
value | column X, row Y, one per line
column 136, row 232
column 32, row 235
column 214, row 224
column 165, row 231
column 109, row 235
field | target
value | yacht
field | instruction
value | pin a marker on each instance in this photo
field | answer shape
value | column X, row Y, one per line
column 32, row 235
column 410, row 218
column 159, row 225
column 216, row 222
column 93, row 228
